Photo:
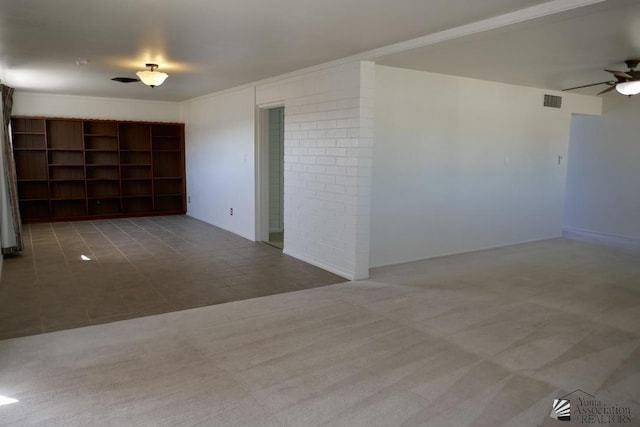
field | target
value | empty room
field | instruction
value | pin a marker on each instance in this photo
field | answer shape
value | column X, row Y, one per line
column 296, row 213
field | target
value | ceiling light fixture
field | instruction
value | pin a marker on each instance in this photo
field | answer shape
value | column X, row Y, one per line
column 629, row 88
column 152, row 77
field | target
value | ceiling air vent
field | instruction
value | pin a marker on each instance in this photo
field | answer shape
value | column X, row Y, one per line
column 552, row 101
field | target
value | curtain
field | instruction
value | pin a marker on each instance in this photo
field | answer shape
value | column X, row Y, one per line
column 10, row 226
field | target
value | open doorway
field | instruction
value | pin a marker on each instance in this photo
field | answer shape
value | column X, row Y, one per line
column 273, row 177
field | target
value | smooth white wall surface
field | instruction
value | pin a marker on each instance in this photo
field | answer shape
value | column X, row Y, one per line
column 462, row 164
column 50, row 105
column 327, row 177
column 603, row 175
column 220, row 138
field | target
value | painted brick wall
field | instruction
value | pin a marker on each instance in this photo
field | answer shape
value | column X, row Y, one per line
column 327, row 178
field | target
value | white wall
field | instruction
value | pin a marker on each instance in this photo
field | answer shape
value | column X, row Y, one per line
column 85, row 107
column 462, row 164
column 327, row 178
column 604, row 171
column 220, row 138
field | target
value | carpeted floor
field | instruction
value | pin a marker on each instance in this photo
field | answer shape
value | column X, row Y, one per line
column 489, row 339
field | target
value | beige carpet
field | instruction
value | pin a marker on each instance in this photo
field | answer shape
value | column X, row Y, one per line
column 483, row 339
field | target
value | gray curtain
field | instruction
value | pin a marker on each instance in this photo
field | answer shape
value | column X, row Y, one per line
column 10, row 226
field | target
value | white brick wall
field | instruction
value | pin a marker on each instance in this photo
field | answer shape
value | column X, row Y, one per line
column 328, row 151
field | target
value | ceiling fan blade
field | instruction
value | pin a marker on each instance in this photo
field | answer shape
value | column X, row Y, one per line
column 125, row 79
column 608, row 82
column 622, row 74
column 609, row 89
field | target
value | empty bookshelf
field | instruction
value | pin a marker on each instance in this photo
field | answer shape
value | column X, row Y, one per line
column 70, row 169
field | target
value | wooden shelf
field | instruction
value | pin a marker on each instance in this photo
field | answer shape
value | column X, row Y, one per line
column 79, row 168
column 34, row 210
column 28, row 126
column 29, row 141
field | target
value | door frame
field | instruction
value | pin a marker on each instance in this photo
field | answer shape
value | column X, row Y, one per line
column 262, row 169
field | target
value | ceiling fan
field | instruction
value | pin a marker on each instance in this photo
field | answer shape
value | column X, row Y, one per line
column 151, row 76
column 626, row 82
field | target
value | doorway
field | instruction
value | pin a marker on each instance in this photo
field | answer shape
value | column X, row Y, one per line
column 275, row 176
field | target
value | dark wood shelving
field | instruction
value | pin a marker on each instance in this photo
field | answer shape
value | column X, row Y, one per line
column 28, row 126
column 80, row 169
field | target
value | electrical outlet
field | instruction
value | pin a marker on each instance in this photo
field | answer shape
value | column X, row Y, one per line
column 231, row 211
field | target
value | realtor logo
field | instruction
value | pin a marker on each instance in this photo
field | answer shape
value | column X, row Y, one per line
column 561, row 410
column 587, row 409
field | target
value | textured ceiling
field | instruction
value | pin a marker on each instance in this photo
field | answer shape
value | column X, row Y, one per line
column 210, row 45
column 555, row 52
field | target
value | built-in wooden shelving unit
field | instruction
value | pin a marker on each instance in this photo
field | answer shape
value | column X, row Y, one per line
column 79, row 169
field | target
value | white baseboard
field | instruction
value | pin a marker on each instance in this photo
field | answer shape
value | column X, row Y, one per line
column 604, row 238
column 349, row 275
column 246, row 236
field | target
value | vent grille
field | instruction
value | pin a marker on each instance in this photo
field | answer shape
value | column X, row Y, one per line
column 552, row 101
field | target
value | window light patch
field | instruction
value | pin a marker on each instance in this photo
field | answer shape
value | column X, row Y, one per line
column 4, row 400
